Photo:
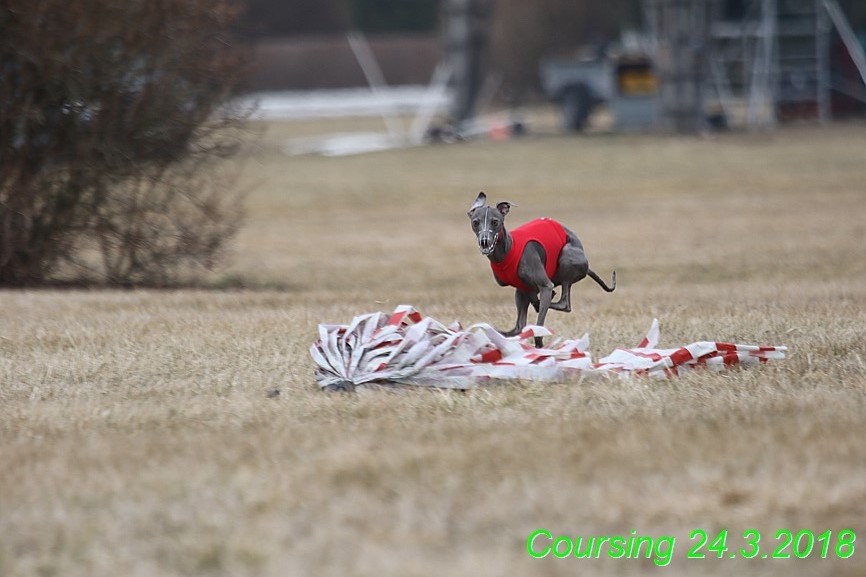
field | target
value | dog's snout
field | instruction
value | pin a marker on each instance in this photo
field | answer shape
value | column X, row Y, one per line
column 486, row 241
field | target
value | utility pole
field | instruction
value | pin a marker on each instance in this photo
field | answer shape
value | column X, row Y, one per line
column 467, row 35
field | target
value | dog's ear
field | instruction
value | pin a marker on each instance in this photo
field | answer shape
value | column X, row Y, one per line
column 480, row 200
column 504, row 207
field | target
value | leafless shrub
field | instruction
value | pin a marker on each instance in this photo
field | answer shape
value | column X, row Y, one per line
column 112, row 115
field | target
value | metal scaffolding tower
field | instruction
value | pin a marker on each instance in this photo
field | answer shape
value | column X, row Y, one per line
column 762, row 60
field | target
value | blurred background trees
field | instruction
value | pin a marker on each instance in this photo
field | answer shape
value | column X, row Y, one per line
column 110, row 120
column 522, row 31
column 270, row 18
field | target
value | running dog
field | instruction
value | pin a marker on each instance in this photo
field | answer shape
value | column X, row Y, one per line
column 533, row 258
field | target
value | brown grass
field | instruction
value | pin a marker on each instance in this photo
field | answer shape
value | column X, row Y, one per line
column 137, row 436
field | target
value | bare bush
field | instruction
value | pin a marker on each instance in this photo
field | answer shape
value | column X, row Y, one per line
column 111, row 119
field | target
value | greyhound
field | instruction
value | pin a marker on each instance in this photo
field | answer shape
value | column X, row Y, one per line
column 533, row 258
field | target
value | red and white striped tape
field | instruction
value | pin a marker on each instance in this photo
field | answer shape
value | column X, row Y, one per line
column 409, row 348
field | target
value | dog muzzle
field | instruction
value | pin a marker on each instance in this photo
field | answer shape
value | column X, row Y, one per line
column 487, row 240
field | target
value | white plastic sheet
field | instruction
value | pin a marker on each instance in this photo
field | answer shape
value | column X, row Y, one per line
column 408, row 348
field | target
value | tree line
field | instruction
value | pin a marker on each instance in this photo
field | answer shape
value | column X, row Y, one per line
column 269, row 18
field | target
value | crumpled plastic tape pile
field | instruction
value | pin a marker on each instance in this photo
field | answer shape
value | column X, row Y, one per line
column 409, row 348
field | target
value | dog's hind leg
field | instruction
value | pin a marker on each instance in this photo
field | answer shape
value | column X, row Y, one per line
column 564, row 302
column 572, row 267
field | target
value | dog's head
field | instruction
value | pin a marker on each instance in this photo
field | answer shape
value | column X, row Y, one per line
column 488, row 222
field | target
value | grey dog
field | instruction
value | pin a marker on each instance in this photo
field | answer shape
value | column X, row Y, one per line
column 533, row 258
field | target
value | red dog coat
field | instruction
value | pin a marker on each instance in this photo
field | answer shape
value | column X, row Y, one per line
column 545, row 231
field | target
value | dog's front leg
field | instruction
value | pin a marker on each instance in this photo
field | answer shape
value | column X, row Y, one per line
column 521, row 300
column 545, row 295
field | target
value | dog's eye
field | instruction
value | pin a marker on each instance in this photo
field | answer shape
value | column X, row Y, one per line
column 475, row 223
column 494, row 223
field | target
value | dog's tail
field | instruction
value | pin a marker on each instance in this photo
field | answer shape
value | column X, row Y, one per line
column 600, row 282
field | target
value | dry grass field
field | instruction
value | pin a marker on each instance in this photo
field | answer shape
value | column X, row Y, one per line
column 137, row 436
